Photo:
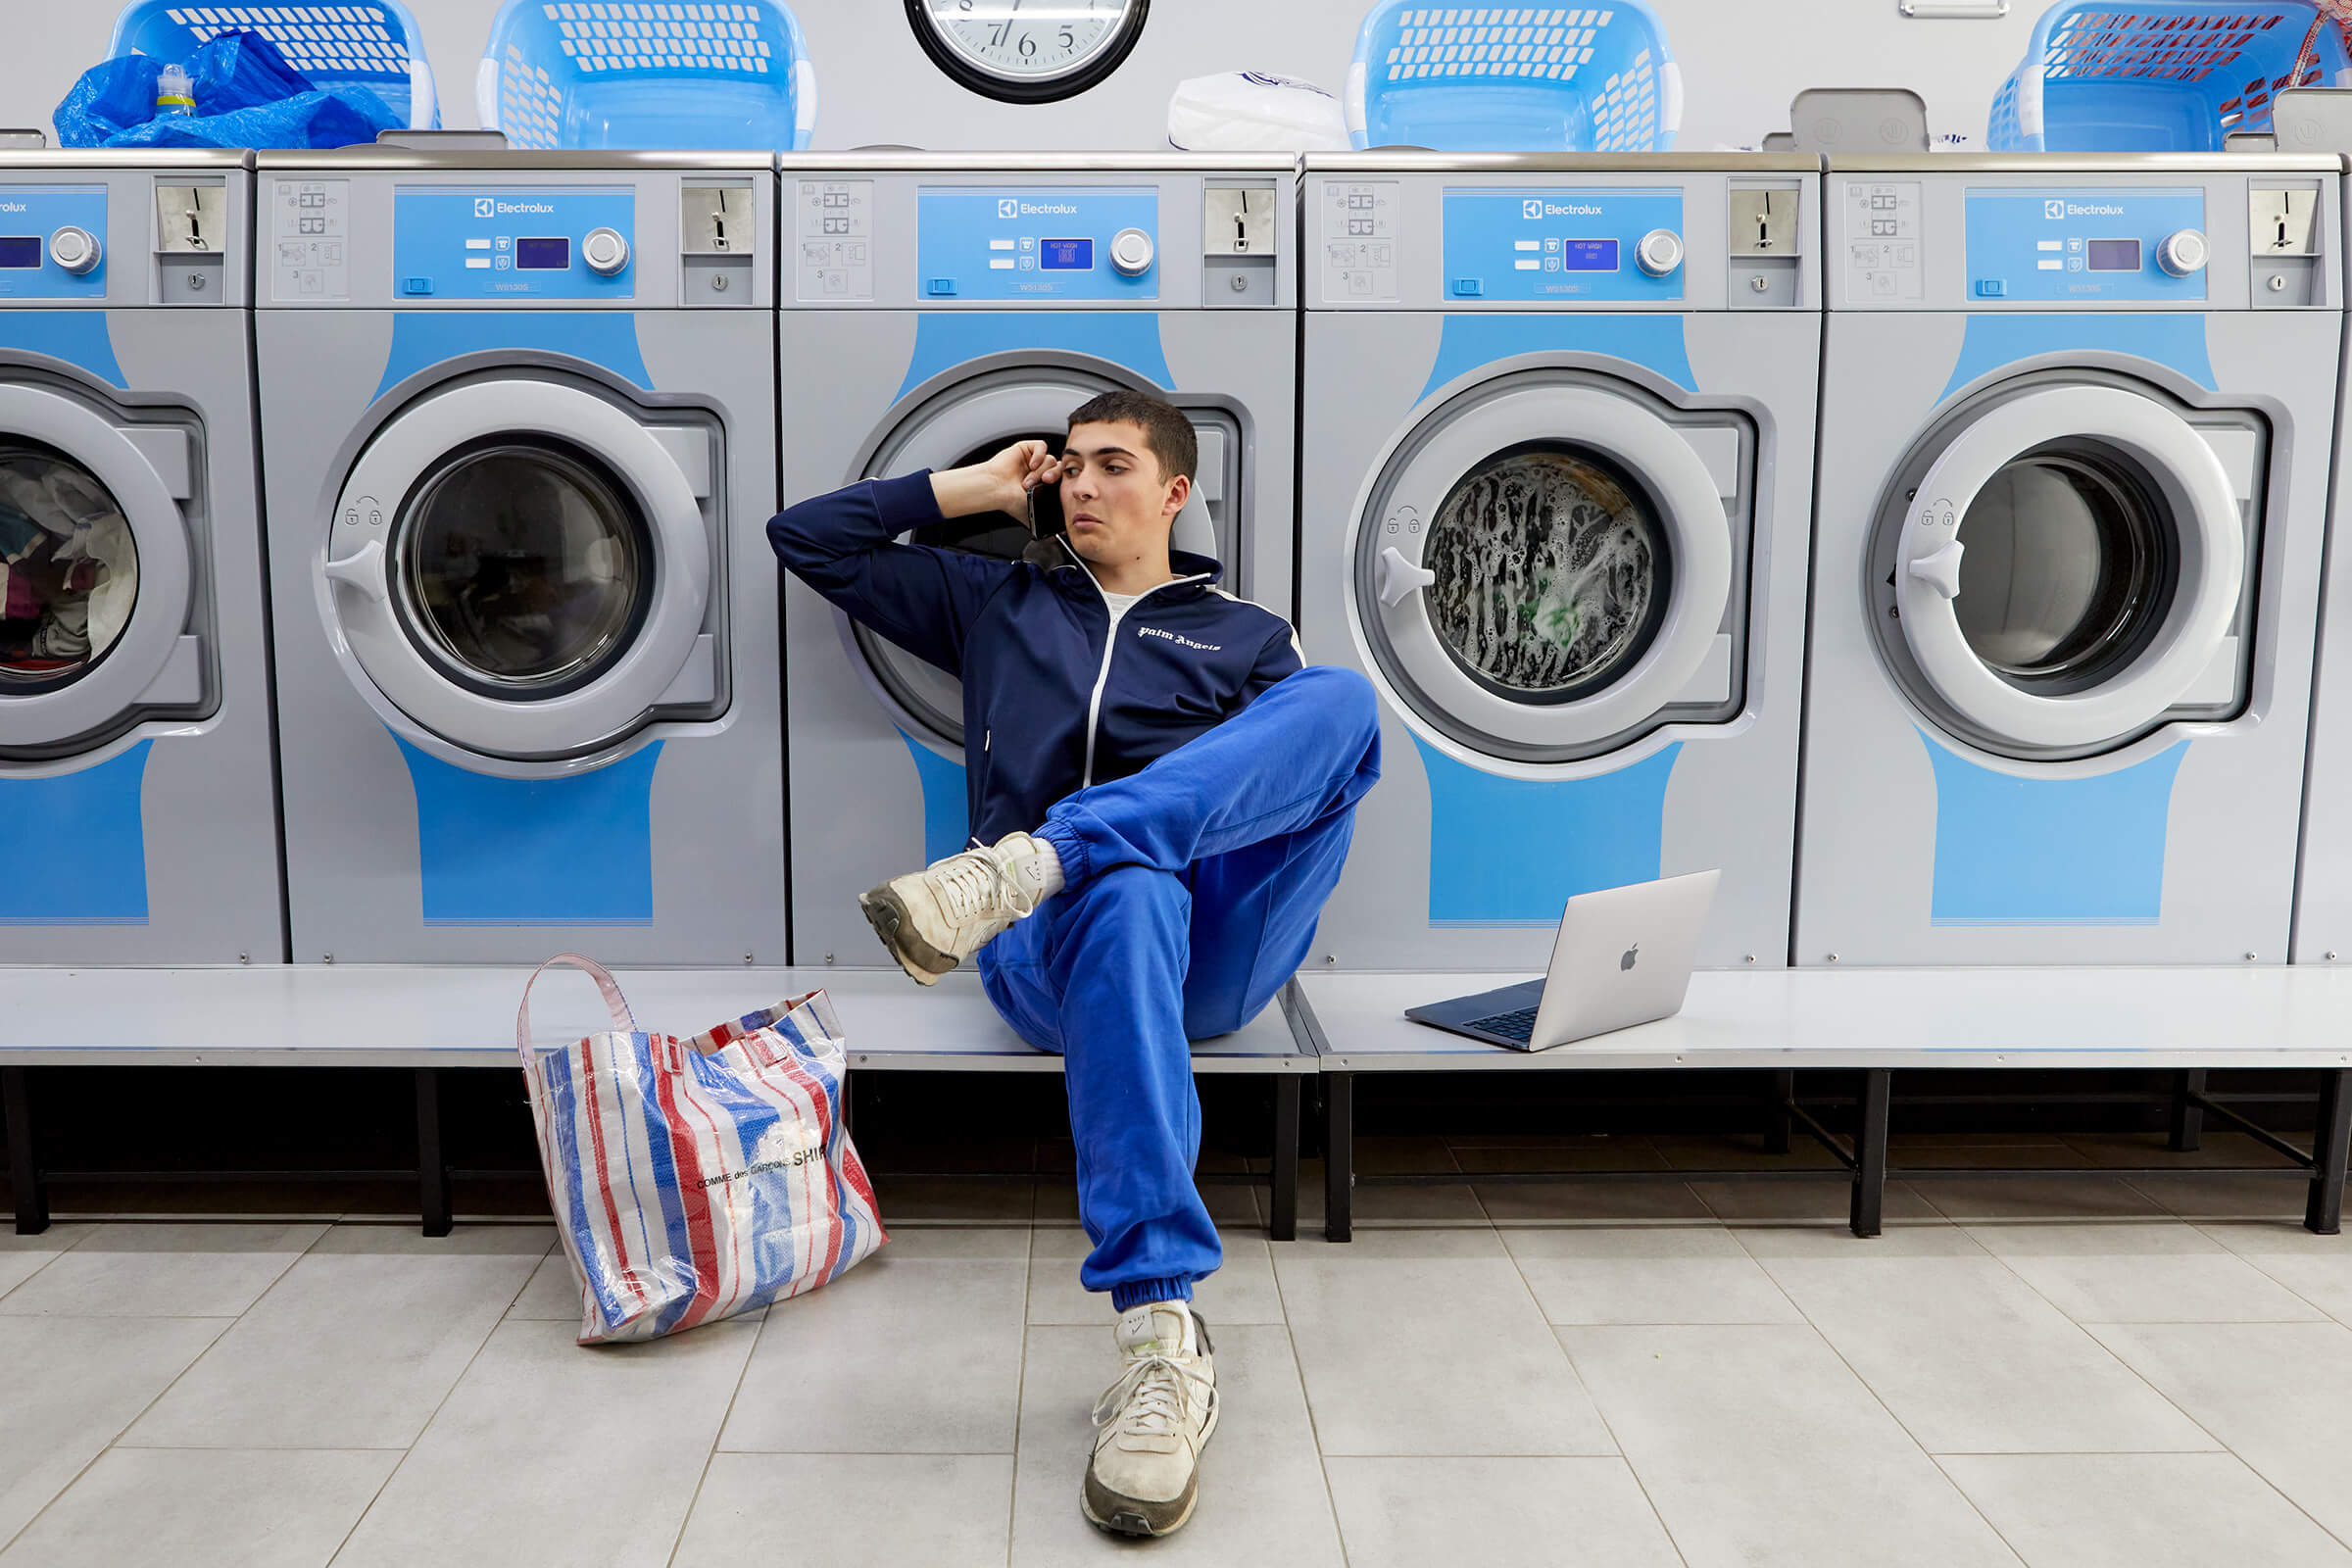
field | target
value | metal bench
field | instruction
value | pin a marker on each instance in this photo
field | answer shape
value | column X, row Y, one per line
column 1874, row 1023
column 434, row 1019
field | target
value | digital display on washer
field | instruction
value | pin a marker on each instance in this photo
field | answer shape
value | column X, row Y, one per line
column 20, row 250
column 1065, row 255
column 542, row 255
column 2112, row 255
column 1587, row 256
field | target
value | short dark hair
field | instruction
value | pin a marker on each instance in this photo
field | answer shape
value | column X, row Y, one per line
column 1167, row 432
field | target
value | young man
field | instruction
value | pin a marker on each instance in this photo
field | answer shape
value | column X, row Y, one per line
column 1160, row 802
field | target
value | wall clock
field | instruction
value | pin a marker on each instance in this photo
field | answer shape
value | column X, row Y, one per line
column 1027, row 51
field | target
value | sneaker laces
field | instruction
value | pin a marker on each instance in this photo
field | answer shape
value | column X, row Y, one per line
column 977, row 884
column 1149, row 1399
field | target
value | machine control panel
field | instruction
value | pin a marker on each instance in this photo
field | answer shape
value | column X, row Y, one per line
column 481, row 242
column 52, row 242
column 1563, row 243
column 1007, row 242
column 2141, row 243
column 1359, row 239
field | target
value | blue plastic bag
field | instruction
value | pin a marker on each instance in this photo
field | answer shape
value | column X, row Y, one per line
column 246, row 96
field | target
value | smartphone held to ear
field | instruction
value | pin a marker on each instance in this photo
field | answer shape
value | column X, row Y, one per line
column 1046, row 519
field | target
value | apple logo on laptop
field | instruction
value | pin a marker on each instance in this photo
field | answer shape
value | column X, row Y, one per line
column 1631, row 957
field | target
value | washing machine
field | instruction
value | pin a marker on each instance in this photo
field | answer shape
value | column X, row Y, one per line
column 2074, row 449
column 958, row 304
column 518, row 420
column 1556, row 466
column 136, row 778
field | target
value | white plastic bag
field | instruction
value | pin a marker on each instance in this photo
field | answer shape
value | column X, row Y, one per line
column 1249, row 112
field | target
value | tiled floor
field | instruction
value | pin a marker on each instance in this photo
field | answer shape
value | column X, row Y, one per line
column 2065, row 1373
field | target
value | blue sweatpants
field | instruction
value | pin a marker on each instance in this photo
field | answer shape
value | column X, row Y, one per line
column 1191, row 893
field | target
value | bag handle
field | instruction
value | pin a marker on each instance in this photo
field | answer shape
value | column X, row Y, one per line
column 614, row 1002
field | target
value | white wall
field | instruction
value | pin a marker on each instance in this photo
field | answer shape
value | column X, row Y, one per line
column 1742, row 62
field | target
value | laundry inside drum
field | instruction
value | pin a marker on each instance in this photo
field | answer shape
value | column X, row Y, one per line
column 69, row 567
column 524, row 566
column 1550, row 573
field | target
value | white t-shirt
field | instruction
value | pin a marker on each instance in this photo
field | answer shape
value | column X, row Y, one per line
column 1120, row 604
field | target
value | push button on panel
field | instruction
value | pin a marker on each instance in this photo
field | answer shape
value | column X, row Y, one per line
column 1468, row 288
column 1991, row 288
column 76, row 250
column 939, row 287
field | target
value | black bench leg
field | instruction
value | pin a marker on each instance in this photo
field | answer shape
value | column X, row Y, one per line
column 1870, row 1153
column 1778, row 1124
column 1282, row 1222
column 433, row 1166
column 25, row 1191
column 2188, row 1117
column 2332, row 1142
column 1338, row 1157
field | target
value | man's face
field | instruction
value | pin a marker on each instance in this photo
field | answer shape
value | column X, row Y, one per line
column 1119, row 506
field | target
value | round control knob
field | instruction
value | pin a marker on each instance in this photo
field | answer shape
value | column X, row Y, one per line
column 76, row 250
column 1131, row 252
column 2183, row 253
column 1660, row 252
column 605, row 251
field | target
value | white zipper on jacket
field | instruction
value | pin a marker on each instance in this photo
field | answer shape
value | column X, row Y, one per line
column 1093, row 703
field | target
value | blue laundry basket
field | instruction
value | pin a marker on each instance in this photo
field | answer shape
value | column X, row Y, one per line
column 1546, row 78
column 370, row 44
column 2169, row 76
column 684, row 74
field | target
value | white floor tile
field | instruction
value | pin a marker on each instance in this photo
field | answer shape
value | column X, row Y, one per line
column 1972, row 1360
column 553, row 1294
column 1496, row 1513
column 206, row 1508
column 1590, row 1202
column 1647, row 1274
column 2037, row 1198
column 556, row 1453
column 355, row 1346
column 851, row 1510
column 69, row 1386
column 2132, row 1271
column 1421, row 1341
column 1262, row 1495
column 1241, row 1290
column 2140, row 1510
column 1760, row 1450
column 2317, row 1268
column 1828, row 1202
column 2280, row 1394
column 916, row 1350
column 2226, row 1197
column 164, row 1271
column 23, row 1256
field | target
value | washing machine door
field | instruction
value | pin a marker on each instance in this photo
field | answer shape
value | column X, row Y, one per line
column 1545, row 568
column 971, row 422
column 523, row 567
column 2070, row 566
column 95, row 573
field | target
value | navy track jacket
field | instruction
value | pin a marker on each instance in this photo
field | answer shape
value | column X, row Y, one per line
column 1050, row 702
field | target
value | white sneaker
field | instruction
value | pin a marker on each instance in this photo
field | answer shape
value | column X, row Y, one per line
column 1145, row 1475
column 933, row 919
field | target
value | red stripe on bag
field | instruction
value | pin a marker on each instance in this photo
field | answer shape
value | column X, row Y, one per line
column 693, row 1201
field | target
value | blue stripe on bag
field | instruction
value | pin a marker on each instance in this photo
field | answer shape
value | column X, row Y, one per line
column 563, row 1106
column 665, row 1187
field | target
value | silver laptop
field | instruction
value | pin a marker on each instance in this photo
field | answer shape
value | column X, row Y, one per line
column 1623, row 956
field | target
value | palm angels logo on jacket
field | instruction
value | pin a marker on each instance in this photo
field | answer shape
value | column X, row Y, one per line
column 1180, row 641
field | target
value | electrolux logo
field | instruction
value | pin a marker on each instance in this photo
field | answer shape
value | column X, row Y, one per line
column 12, row 207
column 484, row 207
column 541, row 208
column 1047, row 208
column 1179, row 641
column 1539, row 208
column 2057, row 208
column 1008, row 207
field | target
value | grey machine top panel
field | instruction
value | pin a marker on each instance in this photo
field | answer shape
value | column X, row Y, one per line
column 2179, row 233
column 122, row 228
column 455, row 227
column 944, row 233
column 1509, row 234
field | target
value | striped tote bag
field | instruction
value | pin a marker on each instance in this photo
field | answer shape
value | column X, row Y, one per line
column 696, row 1178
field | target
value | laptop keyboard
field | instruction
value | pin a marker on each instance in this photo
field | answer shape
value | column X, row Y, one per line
column 1519, row 1026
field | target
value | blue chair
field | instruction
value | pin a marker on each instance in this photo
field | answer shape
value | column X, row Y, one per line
column 683, row 74
column 369, row 44
column 1550, row 79
column 2166, row 75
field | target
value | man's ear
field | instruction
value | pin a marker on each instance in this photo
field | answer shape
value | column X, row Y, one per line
column 1180, row 490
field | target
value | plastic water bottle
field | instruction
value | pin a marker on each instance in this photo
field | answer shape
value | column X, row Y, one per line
column 175, row 94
